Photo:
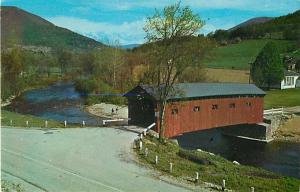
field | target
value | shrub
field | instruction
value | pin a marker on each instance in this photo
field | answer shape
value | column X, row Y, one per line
column 85, row 86
column 116, row 100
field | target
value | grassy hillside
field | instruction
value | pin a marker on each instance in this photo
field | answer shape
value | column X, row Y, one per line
column 23, row 28
column 227, row 75
column 238, row 56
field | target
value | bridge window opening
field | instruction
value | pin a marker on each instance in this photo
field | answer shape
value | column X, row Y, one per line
column 174, row 111
column 196, row 108
column 215, row 107
column 232, row 105
column 248, row 104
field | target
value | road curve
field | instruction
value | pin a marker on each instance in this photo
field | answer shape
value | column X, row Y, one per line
column 90, row 159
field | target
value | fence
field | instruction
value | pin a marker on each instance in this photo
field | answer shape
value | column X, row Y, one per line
column 43, row 123
column 274, row 111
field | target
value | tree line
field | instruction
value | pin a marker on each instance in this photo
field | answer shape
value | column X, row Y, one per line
column 108, row 69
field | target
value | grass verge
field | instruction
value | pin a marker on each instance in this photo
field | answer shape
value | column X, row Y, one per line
column 282, row 98
column 211, row 168
column 19, row 120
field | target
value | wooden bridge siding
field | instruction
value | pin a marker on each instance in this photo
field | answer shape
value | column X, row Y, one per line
column 188, row 121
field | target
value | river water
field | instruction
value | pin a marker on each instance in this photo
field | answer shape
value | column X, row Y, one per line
column 61, row 102
column 279, row 157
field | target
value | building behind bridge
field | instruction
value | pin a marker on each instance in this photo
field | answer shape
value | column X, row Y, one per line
column 197, row 106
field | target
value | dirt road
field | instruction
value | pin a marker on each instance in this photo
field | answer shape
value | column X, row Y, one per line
column 89, row 159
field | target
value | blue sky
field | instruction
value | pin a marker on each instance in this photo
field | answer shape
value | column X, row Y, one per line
column 123, row 20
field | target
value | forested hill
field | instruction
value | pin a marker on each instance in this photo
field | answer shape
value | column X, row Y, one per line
column 19, row 27
column 252, row 21
column 284, row 27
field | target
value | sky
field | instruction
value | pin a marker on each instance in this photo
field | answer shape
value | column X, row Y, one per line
column 109, row 21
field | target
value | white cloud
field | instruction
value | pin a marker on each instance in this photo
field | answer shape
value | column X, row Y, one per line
column 253, row 5
column 132, row 32
column 125, row 33
column 208, row 28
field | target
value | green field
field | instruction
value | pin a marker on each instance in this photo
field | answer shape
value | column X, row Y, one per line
column 238, row 56
column 282, row 98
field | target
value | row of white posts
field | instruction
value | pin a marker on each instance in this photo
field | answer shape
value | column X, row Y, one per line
column 46, row 123
column 65, row 122
column 146, row 152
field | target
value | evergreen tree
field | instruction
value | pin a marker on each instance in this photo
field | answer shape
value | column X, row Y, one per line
column 297, row 67
column 268, row 67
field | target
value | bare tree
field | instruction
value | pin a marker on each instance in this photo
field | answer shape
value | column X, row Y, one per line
column 174, row 48
column 108, row 62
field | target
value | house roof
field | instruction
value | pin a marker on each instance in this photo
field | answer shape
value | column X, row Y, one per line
column 197, row 90
column 290, row 73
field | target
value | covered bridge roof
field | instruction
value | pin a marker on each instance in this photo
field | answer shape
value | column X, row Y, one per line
column 197, row 90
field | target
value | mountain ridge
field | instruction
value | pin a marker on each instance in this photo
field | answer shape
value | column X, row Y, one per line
column 19, row 27
column 252, row 21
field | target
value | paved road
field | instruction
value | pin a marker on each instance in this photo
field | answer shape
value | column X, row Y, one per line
column 90, row 159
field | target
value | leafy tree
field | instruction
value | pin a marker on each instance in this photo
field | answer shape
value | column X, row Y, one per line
column 11, row 72
column 87, row 62
column 65, row 60
column 85, row 86
column 171, row 29
column 268, row 67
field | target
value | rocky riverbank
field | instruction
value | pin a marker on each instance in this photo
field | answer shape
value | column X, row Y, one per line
column 289, row 131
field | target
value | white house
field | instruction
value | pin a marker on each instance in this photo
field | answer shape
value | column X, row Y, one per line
column 290, row 79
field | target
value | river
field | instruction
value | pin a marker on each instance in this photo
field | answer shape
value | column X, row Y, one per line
column 279, row 157
column 61, row 102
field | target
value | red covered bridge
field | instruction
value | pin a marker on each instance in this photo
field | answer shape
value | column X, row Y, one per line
column 197, row 106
